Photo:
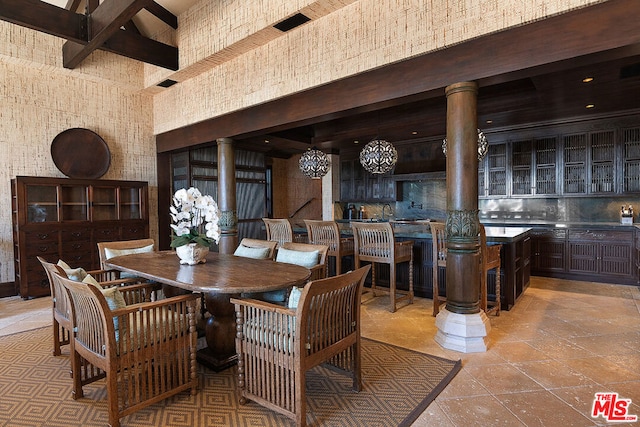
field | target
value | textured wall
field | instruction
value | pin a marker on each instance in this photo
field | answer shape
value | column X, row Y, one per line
column 39, row 99
column 291, row 190
column 354, row 37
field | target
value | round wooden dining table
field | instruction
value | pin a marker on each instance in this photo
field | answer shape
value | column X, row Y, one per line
column 220, row 278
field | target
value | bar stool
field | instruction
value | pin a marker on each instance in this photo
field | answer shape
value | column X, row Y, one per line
column 489, row 259
column 278, row 230
column 375, row 243
column 439, row 259
column 327, row 233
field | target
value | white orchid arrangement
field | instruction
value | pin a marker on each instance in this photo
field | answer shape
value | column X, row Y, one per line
column 195, row 218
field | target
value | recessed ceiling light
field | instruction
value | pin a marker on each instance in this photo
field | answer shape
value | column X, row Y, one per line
column 590, row 106
column 415, row 132
column 266, row 141
column 355, row 141
column 489, row 122
column 587, row 79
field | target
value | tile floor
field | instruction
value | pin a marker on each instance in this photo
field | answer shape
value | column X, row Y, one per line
column 547, row 357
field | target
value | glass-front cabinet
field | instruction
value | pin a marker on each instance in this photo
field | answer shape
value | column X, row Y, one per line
column 60, row 218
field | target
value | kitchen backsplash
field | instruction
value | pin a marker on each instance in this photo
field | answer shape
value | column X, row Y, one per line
column 427, row 199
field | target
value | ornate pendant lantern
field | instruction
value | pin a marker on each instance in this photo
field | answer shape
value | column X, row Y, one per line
column 483, row 145
column 378, row 156
column 314, row 163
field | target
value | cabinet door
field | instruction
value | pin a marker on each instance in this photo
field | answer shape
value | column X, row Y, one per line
column 74, row 201
column 104, row 204
column 497, row 170
column 602, row 151
column 42, row 203
column 575, row 160
column 631, row 158
column 616, row 258
column 583, row 257
column 521, row 167
column 130, row 203
column 546, row 162
column 346, row 180
column 548, row 248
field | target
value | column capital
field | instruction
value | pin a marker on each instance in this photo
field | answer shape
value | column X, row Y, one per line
column 461, row 87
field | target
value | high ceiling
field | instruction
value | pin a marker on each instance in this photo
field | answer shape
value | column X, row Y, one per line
column 552, row 91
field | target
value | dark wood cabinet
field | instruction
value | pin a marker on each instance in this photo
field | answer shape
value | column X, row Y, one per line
column 59, row 218
column 358, row 185
column 548, row 248
column 603, row 254
column 601, row 162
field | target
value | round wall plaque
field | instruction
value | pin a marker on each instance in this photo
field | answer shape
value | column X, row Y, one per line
column 80, row 153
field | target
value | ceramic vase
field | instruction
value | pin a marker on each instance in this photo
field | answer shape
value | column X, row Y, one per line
column 192, row 253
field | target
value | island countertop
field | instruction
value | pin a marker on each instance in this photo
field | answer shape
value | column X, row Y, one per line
column 422, row 230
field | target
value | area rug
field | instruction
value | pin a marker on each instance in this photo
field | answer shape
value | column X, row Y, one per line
column 398, row 384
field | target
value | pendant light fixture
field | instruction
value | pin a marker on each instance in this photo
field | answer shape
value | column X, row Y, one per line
column 314, row 163
column 483, row 145
column 378, row 156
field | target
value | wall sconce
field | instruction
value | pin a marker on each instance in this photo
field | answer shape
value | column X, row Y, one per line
column 483, row 145
column 314, row 163
column 378, row 156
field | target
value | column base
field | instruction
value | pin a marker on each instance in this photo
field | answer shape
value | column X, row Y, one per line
column 466, row 333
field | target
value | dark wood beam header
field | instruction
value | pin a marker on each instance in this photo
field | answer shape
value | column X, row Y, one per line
column 598, row 28
column 105, row 21
column 105, row 24
column 40, row 16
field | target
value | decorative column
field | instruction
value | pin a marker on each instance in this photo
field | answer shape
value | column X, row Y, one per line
column 227, row 196
column 462, row 326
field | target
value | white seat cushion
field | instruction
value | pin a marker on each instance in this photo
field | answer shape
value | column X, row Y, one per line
column 110, row 253
column 247, row 252
column 303, row 258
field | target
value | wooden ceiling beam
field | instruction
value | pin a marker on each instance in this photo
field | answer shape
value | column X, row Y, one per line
column 72, row 5
column 163, row 14
column 56, row 21
column 104, row 22
column 40, row 16
column 128, row 43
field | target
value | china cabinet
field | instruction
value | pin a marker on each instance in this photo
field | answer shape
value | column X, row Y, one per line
column 60, row 218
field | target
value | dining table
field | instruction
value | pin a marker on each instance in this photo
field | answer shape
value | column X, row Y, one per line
column 220, row 278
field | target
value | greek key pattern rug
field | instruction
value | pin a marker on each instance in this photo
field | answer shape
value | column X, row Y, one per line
column 398, row 384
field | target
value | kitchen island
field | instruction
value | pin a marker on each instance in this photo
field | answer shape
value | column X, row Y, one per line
column 515, row 260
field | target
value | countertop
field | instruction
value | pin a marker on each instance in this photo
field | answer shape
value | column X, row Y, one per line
column 421, row 230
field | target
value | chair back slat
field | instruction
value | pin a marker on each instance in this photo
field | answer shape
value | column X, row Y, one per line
column 61, row 304
column 323, row 233
column 276, row 346
column 278, row 230
column 327, row 233
column 374, row 242
column 88, row 311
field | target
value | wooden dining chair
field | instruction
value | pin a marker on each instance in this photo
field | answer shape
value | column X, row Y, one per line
column 255, row 248
column 278, row 230
column 278, row 345
column 489, row 260
column 314, row 257
column 439, row 261
column 61, row 308
column 108, row 250
column 376, row 243
column 327, row 233
column 146, row 351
